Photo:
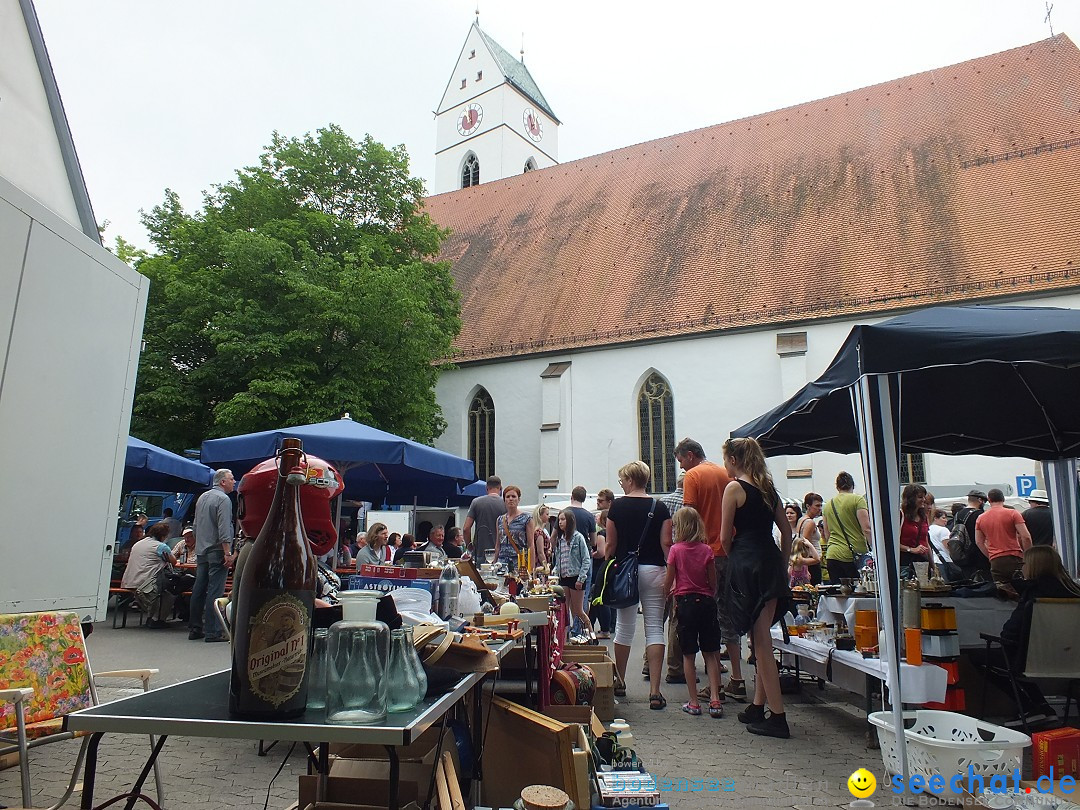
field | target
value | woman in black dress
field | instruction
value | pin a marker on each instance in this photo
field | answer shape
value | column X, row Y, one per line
column 757, row 582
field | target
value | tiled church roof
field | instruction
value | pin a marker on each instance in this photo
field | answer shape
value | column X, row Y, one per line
column 960, row 183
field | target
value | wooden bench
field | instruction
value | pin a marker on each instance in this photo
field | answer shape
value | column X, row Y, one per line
column 125, row 601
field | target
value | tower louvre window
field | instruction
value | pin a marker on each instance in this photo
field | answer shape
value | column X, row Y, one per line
column 463, row 83
column 530, row 165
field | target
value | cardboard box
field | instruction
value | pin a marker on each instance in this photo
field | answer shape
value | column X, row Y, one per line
column 604, row 703
column 1059, row 749
column 368, row 781
column 384, row 584
column 534, row 604
column 420, row 750
column 388, row 571
column 582, row 715
column 337, row 806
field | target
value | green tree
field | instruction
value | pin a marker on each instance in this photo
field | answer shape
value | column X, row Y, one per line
column 304, row 288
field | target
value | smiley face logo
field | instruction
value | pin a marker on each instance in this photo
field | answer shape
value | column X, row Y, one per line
column 862, row 783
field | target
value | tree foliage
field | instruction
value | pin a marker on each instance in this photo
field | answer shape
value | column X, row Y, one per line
column 304, row 288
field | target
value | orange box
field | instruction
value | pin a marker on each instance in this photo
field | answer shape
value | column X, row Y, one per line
column 938, row 617
column 913, row 646
column 865, row 637
column 1059, row 749
column 866, row 618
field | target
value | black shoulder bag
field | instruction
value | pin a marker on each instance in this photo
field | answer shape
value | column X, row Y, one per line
column 619, row 583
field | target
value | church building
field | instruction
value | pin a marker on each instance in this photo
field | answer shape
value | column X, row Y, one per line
column 682, row 287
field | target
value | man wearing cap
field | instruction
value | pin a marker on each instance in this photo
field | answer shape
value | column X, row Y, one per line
column 184, row 550
column 1039, row 518
column 1001, row 535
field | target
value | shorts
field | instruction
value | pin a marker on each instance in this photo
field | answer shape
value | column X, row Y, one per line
column 727, row 631
column 696, row 623
column 568, row 582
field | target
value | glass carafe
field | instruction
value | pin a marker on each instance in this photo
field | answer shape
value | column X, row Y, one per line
column 359, row 649
column 402, row 689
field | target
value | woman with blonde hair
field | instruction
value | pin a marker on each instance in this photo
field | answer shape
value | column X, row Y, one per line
column 378, row 550
column 638, row 522
column 757, row 582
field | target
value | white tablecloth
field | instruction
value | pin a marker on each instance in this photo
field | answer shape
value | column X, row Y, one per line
column 924, row 684
column 973, row 616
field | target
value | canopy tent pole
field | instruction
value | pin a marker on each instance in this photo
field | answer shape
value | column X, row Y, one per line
column 873, row 400
column 1061, row 480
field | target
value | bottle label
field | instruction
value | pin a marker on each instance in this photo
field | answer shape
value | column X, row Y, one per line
column 278, row 648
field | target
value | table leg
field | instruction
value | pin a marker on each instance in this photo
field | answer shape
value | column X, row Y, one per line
column 395, row 777
column 149, row 766
column 530, row 667
column 90, row 771
column 871, row 732
column 324, row 772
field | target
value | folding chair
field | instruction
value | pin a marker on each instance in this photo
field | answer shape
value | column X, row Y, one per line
column 1048, row 653
column 45, row 675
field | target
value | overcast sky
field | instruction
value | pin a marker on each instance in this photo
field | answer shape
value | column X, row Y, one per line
column 170, row 94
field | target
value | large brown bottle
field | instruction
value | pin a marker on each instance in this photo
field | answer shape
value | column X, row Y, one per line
column 272, row 620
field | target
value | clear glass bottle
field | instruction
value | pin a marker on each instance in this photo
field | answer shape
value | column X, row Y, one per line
column 359, row 649
column 402, row 690
column 317, row 664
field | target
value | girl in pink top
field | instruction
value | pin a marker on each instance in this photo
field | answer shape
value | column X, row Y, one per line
column 691, row 580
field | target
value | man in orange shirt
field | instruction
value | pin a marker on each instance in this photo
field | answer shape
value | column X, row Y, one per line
column 1002, row 535
column 703, row 489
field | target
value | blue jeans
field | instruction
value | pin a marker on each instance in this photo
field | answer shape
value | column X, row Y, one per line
column 210, row 575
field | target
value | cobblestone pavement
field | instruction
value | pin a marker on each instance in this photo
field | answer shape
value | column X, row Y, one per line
column 808, row 770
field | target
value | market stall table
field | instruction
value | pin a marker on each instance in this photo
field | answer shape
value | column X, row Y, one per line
column 200, row 708
column 974, row 615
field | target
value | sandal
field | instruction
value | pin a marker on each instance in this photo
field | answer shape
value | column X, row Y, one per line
column 716, row 709
column 693, row 708
column 657, row 701
column 620, row 687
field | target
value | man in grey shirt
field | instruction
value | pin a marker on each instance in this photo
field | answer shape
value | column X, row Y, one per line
column 213, row 544
column 484, row 514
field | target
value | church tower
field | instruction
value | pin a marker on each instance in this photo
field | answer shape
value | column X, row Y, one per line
column 493, row 121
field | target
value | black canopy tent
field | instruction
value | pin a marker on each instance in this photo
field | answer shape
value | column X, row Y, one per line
column 995, row 381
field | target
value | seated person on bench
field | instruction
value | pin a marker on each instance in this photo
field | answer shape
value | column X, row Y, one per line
column 146, row 572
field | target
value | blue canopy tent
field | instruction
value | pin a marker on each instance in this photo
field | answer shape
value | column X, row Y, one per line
column 996, row 381
column 149, row 467
column 377, row 466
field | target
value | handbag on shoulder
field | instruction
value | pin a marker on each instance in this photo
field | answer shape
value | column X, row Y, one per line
column 618, row 586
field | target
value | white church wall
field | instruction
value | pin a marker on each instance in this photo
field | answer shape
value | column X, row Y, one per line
column 718, row 382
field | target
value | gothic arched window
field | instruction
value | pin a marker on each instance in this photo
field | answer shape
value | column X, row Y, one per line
column 470, row 172
column 482, row 434
column 656, row 431
column 530, row 165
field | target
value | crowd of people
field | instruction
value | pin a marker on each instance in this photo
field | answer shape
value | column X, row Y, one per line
column 716, row 560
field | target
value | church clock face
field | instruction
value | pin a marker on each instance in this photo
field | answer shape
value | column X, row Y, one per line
column 470, row 119
column 534, row 127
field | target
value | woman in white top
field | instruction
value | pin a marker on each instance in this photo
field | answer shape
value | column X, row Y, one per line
column 939, row 534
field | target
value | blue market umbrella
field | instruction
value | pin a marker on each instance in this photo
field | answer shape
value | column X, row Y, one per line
column 377, row 466
column 149, row 467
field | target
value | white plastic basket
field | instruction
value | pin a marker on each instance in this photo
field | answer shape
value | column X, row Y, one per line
column 946, row 743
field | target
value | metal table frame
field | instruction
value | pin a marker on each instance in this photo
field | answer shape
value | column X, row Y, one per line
column 199, row 708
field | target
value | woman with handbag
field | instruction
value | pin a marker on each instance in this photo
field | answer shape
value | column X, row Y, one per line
column 639, row 536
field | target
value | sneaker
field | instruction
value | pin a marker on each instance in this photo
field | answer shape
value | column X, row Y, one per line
column 692, row 709
column 195, row 635
column 735, row 689
column 603, row 635
column 705, row 694
column 620, row 687
column 675, row 679
column 775, row 725
column 212, row 639
column 156, row 624
column 752, row 714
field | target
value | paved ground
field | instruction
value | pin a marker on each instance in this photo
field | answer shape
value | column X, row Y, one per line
column 808, row 770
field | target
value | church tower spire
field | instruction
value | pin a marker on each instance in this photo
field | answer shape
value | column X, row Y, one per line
column 493, row 121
